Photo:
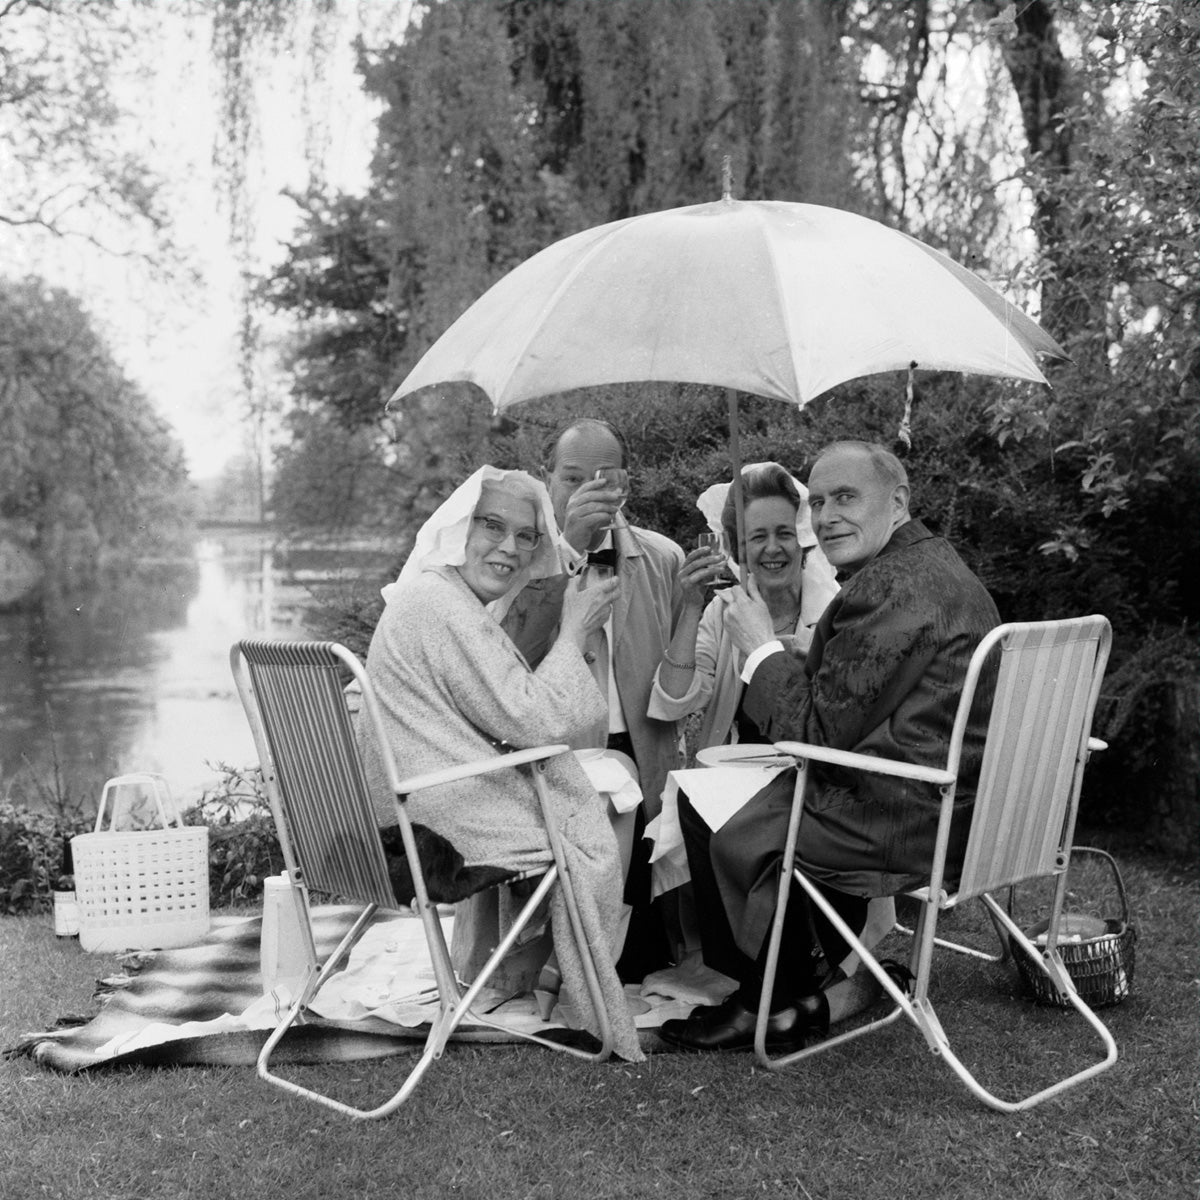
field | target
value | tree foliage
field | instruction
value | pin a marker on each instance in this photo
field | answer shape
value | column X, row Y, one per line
column 1097, row 111
column 87, row 469
column 1120, row 237
column 67, row 170
column 507, row 125
column 1049, row 145
column 86, row 463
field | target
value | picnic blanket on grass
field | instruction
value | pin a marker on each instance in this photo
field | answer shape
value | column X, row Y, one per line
column 204, row 1004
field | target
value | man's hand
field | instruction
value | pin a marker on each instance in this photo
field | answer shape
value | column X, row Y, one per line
column 747, row 618
column 590, row 511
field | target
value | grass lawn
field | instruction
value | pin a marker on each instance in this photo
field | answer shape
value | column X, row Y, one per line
column 879, row 1120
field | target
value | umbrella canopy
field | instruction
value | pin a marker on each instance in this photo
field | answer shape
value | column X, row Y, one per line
column 777, row 299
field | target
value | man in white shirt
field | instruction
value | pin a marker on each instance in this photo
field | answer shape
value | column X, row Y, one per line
column 597, row 541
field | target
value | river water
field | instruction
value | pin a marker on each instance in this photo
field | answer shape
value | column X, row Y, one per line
column 135, row 675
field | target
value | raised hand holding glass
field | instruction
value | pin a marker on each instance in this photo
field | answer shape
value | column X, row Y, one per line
column 617, row 479
column 715, row 544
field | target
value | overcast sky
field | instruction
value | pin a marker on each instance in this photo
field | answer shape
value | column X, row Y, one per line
column 176, row 340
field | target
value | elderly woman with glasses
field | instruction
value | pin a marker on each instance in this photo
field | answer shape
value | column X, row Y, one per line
column 454, row 689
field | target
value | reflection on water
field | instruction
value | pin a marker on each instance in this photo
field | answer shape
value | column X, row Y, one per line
column 135, row 675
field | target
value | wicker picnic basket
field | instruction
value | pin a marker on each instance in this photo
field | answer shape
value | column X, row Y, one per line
column 1097, row 951
column 142, row 888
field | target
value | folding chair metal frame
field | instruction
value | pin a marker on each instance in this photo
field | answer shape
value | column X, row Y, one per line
column 1022, row 826
column 292, row 693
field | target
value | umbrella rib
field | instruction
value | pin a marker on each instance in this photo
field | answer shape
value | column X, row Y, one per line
column 798, row 389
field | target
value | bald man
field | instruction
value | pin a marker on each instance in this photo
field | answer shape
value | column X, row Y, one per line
column 598, row 543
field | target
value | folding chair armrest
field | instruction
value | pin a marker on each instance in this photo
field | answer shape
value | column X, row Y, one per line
column 866, row 762
column 485, row 766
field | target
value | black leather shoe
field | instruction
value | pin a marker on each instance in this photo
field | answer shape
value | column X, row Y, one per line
column 704, row 1015
column 902, row 977
column 730, row 1026
column 813, row 1013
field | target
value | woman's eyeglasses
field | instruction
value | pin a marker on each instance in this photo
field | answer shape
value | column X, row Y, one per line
column 496, row 531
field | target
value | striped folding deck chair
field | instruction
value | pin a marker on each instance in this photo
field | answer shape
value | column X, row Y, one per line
column 1038, row 741
column 294, row 700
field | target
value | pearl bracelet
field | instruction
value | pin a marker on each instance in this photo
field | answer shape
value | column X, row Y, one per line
column 690, row 666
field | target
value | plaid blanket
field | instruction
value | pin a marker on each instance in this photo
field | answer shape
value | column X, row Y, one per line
column 205, row 986
column 204, row 1004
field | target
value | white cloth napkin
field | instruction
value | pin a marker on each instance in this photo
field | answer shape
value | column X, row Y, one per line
column 668, row 857
column 608, row 774
column 716, row 794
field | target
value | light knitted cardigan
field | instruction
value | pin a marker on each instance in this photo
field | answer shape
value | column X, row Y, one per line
column 451, row 685
column 716, row 686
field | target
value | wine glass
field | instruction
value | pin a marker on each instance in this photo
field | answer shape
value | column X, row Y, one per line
column 616, row 479
column 715, row 543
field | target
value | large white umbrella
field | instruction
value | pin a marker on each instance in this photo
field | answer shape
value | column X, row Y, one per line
column 777, row 299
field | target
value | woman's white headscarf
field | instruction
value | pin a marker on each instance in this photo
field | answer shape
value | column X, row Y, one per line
column 442, row 540
column 818, row 583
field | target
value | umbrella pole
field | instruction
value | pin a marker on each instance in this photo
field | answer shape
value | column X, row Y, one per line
column 735, row 454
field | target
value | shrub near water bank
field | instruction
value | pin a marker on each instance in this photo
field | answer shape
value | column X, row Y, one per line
column 31, row 855
column 242, row 846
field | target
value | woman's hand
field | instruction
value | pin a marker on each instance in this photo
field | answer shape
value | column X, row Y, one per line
column 585, row 609
column 747, row 618
column 700, row 569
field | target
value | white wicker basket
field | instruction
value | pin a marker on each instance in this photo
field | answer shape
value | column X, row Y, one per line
column 141, row 890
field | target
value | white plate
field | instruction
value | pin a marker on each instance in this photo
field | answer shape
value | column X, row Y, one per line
column 747, row 754
column 1072, row 927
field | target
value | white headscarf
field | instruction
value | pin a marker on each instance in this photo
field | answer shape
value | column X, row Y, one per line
column 818, row 582
column 442, row 540
column 711, row 502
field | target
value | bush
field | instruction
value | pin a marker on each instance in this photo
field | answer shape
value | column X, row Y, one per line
column 243, row 848
column 31, row 855
column 1147, row 779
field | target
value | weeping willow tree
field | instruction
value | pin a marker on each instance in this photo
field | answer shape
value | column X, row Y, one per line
column 508, row 124
column 67, row 172
column 245, row 36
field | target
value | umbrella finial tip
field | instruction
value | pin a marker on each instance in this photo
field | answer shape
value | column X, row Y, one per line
column 726, row 178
